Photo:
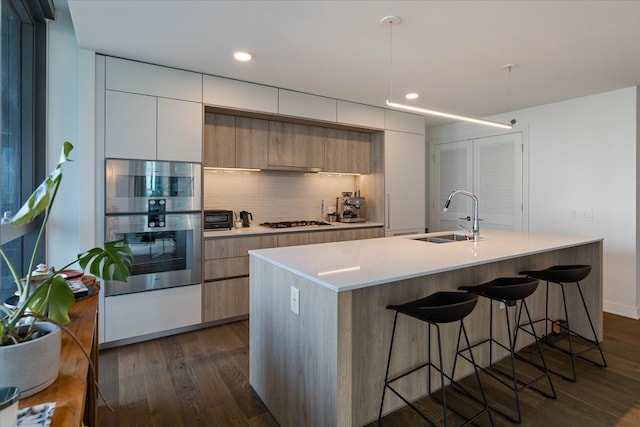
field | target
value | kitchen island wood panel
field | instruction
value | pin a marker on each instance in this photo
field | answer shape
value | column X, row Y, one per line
column 326, row 365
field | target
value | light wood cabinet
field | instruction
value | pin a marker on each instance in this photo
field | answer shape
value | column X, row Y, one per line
column 336, row 151
column 228, row 257
column 226, row 299
column 252, row 143
column 359, row 152
column 347, row 151
column 225, row 292
column 219, row 140
column 235, row 142
column 295, row 146
column 306, row 238
column 360, row 233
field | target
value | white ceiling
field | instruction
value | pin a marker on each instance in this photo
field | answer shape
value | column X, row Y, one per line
column 450, row 52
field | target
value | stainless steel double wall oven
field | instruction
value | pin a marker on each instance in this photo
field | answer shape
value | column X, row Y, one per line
column 157, row 207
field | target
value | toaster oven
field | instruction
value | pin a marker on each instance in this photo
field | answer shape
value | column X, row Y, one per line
column 217, row 219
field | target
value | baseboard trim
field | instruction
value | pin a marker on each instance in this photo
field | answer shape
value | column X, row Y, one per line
column 621, row 310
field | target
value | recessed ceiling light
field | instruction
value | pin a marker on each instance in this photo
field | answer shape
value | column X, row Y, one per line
column 242, row 56
column 411, row 96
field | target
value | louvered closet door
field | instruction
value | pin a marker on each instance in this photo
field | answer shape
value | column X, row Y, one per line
column 497, row 170
column 453, row 163
column 491, row 168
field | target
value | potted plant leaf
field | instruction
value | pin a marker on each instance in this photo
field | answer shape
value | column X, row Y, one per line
column 30, row 327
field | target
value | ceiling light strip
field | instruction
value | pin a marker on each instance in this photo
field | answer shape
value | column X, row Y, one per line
column 449, row 116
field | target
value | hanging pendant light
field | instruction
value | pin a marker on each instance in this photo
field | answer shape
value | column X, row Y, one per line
column 391, row 21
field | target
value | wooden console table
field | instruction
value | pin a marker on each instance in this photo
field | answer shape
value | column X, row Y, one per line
column 74, row 391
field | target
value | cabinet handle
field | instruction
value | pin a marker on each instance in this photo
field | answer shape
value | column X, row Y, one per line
column 388, row 211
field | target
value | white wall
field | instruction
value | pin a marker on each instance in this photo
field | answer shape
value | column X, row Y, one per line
column 583, row 156
column 62, row 125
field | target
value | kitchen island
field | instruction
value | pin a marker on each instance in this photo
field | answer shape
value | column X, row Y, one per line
column 325, row 365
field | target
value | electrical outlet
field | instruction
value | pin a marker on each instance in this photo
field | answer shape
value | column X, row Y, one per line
column 295, row 300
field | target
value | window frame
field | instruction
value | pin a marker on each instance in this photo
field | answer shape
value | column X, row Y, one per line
column 33, row 15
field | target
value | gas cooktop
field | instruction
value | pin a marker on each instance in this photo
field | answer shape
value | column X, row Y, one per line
column 289, row 224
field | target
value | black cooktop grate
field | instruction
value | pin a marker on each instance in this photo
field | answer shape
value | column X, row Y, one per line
column 289, row 224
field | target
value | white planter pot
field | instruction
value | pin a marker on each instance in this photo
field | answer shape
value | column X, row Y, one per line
column 32, row 365
column 8, row 406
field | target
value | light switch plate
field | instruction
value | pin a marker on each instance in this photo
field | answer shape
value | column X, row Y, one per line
column 295, row 300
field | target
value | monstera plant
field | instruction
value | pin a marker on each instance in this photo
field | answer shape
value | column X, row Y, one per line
column 51, row 299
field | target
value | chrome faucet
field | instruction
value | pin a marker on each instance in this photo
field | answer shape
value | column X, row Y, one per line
column 476, row 225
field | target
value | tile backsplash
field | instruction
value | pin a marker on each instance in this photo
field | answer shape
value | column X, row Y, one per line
column 274, row 196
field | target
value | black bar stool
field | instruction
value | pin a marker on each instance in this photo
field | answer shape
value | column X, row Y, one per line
column 510, row 290
column 440, row 307
column 567, row 275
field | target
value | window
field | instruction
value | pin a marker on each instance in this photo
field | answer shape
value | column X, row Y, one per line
column 22, row 142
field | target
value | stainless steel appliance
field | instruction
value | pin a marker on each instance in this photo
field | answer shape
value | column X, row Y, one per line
column 156, row 206
column 348, row 208
column 131, row 184
column 216, row 219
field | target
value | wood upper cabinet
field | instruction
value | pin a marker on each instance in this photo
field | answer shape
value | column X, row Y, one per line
column 295, row 146
column 336, row 151
column 252, row 143
column 347, row 151
column 235, row 142
column 359, row 152
column 219, row 140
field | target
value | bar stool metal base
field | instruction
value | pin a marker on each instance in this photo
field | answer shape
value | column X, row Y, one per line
column 433, row 319
column 564, row 275
column 510, row 291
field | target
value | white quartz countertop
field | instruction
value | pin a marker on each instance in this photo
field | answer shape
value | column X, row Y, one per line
column 258, row 229
column 344, row 266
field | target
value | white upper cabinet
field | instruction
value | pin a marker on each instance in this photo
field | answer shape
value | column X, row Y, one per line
column 299, row 104
column 239, row 95
column 152, row 112
column 179, row 130
column 147, row 79
column 351, row 113
column 405, row 184
column 130, row 128
column 404, row 122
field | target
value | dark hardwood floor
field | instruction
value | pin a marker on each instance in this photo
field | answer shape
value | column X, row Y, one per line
column 201, row 378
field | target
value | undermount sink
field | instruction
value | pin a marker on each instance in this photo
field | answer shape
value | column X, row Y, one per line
column 445, row 238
